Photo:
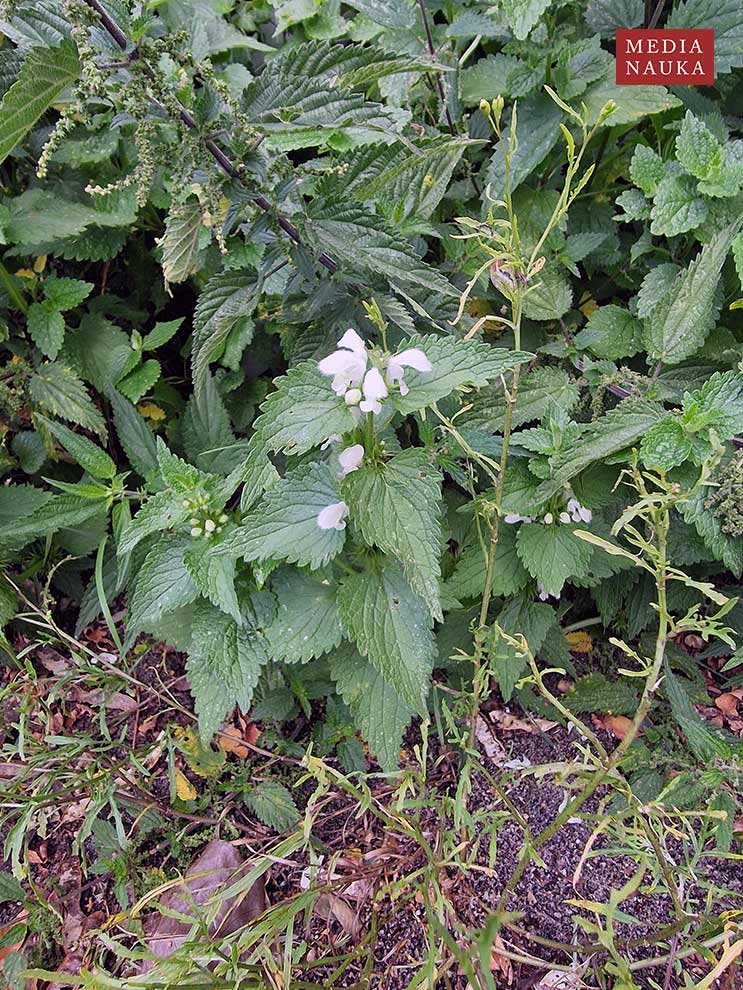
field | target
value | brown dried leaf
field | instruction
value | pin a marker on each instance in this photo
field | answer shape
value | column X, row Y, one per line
column 727, row 703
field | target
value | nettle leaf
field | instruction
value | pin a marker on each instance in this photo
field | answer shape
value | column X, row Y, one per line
column 88, row 455
column 552, row 554
column 677, row 207
column 58, row 512
column 273, row 804
column 605, row 16
column 391, row 626
column 163, row 510
column 302, row 413
column 284, row 524
column 46, row 327
column 509, row 574
column 181, row 241
column 58, row 390
column 722, row 547
column 397, row 507
column 134, row 435
column 456, row 363
column 518, row 617
column 697, row 149
column 66, row 293
column 551, row 297
column 679, row 325
column 523, row 15
column 539, row 389
column 504, row 74
column 307, row 622
column 228, row 299
column 706, row 741
column 619, row 428
column 611, row 332
column 139, row 382
column 207, row 433
column 656, row 286
column 368, row 243
column 720, row 402
column 377, row 709
column 537, row 131
column 162, row 584
column 725, row 17
column 214, row 576
column 632, row 102
column 224, row 664
column 665, row 445
column 45, row 73
column 646, row 169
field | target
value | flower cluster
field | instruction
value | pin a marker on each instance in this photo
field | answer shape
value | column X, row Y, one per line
column 357, row 372
column 574, row 512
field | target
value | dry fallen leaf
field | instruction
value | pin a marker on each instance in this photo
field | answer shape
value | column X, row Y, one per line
column 579, row 642
column 618, row 725
column 494, row 750
column 556, row 979
column 727, row 703
column 511, row 723
column 331, row 907
column 184, row 788
column 219, row 866
column 500, row 965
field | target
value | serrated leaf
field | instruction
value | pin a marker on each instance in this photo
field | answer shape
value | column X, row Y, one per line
column 719, row 402
column 697, row 149
column 396, row 507
column 523, row 15
column 725, row 17
column 59, row 512
column 58, row 390
column 509, row 574
column 207, row 434
column 707, row 742
column 139, row 382
column 302, row 413
column 655, row 287
column 30, row 450
column 284, row 524
column 66, row 293
column 274, row 805
column 605, row 16
column 595, row 693
column 390, row 625
column 10, row 888
column 679, row 325
column 161, row 511
column 646, row 169
column 665, row 445
column 611, row 332
column 619, row 428
column 455, row 363
column 537, row 131
column 88, row 455
column 224, row 664
column 632, row 102
column 180, row 242
column 162, row 584
column 44, row 74
column 214, row 576
column 551, row 296
column 378, row 710
column 134, row 435
column 227, row 298
column 518, row 617
column 722, row 547
column 307, row 622
column 46, row 327
column 160, row 334
column 677, row 207
column 539, row 389
column 552, row 554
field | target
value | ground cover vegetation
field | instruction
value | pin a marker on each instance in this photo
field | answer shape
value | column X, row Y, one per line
column 371, row 519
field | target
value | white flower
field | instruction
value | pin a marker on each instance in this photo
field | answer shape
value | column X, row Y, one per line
column 564, row 517
column 347, row 364
column 411, row 358
column 374, row 389
column 544, row 594
column 333, row 438
column 514, row 517
column 350, row 459
column 333, row 516
column 579, row 512
column 549, row 519
column 353, row 396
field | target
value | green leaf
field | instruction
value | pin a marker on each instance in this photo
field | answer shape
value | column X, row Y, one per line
column 697, row 149
column 307, row 622
column 58, row 390
column 537, row 131
column 30, row 450
column 656, row 286
column 88, row 455
column 284, row 524
column 595, row 693
column 59, row 512
column 665, row 445
column 207, row 434
column 539, row 389
column 725, row 17
column 551, row 296
column 605, row 16
column 10, row 888
column 719, row 403
column 139, row 382
column 509, row 574
column 390, row 625
column 302, row 413
column 368, row 243
column 523, row 15
column 612, row 333
column 377, row 709
column 180, row 242
column 162, row 584
column 224, row 664
column 738, row 256
column 617, row 429
column 499, row 73
column 632, row 102
column 66, row 293
column 707, row 742
column 646, row 169
column 518, row 617
column 46, row 326
column 227, row 299
column 214, row 576
column 160, row 334
column 677, row 206
column 274, row 805
column 456, row 363
column 134, row 435
column 552, row 554
column 396, row 507
column 163, row 510
column 722, row 547
column 44, row 74
column 680, row 323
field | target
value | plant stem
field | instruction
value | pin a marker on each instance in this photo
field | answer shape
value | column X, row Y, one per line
column 12, row 291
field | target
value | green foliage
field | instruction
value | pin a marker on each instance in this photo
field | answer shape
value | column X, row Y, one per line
column 212, row 214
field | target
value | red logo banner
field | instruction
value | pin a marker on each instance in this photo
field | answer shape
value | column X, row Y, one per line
column 663, row 58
